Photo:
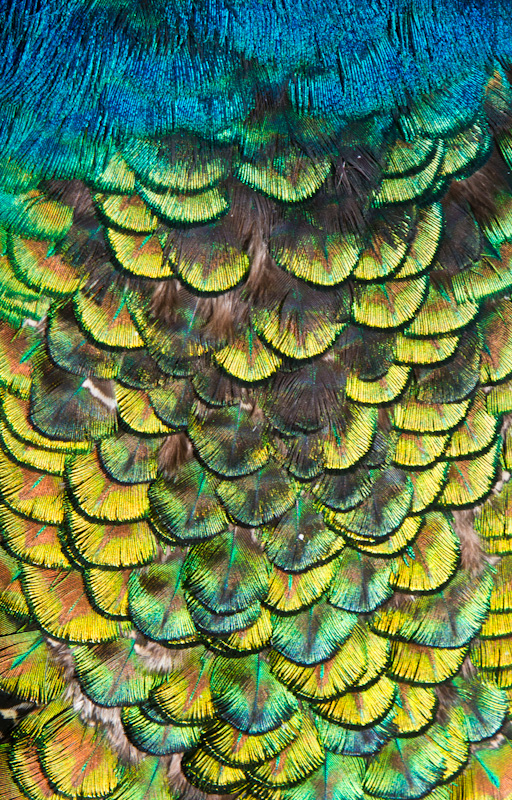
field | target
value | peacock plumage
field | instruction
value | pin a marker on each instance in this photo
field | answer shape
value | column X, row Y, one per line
column 256, row 399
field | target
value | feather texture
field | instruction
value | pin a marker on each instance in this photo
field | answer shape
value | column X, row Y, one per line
column 255, row 398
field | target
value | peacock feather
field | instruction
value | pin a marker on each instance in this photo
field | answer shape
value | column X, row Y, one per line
column 255, row 400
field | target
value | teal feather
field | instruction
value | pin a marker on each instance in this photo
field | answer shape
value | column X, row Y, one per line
column 248, row 696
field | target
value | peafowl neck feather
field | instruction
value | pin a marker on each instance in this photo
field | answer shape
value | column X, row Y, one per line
column 255, row 400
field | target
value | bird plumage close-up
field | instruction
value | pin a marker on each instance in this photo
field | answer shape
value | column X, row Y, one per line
column 255, row 399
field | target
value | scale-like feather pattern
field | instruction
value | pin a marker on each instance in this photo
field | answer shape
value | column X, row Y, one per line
column 255, row 398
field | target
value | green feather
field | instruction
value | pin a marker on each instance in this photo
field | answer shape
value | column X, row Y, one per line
column 345, row 490
column 409, row 156
column 27, row 669
column 291, row 177
column 181, row 162
column 178, row 208
column 362, row 657
column 389, row 237
column 441, row 312
column 113, row 175
column 33, row 215
column 59, row 603
column 107, row 591
column 431, row 560
column 476, row 433
column 295, row 763
column 313, row 253
column 495, row 328
column 186, row 695
column 127, row 211
column 247, row 695
column 246, row 750
column 467, row 150
column 15, row 352
column 403, row 188
column 70, row 350
column 209, row 259
column 247, row 358
column 113, row 673
column 298, row 325
column 136, row 413
column 43, row 267
column 100, row 499
column 157, row 604
column 230, row 440
column 258, row 497
column 214, row 624
column 172, row 402
column 12, row 600
column 454, row 380
column 414, row 709
column 361, row 583
column 228, row 573
column 469, row 481
column 186, row 507
column 390, row 304
column 203, row 770
column 139, row 254
column 128, row 458
column 313, row 635
column 177, row 344
column 362, row 707
column 31, row 493
column 69, row 407
column 290, row 592
column 146, row 781
column 484, row 706
column 449, row 618
column 300, row 539
column 52, row 462
column 353, row 742
column 381, row 513
column 409, row 768
column 106, row 319
column 158, row 739
column 17, row 302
